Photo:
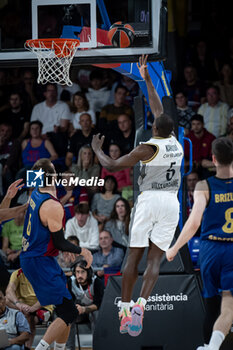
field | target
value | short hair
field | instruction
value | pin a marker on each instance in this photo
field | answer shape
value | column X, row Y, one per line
column 215, row 87
column 37, row 122
column 222, row 148
column 164, row 124
column 179, row 91
column 48, row 84
column 16, row 93
column 96, row 74
column 72, row 239
column 82, row 208
column 85, row 113
column 107, row 232
column 120, row 86
column 198, row 117
column 46, row 165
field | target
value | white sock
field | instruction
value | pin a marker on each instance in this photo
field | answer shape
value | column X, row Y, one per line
column 43, row 345
column 125, row 305
column 216, row 340
column 141, row 301
column 59, row 346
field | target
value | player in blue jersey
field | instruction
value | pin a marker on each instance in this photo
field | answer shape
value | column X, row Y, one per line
column 213, row 204
column 43, row 237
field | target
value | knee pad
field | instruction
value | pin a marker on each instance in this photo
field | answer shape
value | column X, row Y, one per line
column 67, row 311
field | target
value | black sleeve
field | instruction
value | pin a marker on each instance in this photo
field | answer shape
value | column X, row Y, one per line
column 98, row 292
column 62, row 244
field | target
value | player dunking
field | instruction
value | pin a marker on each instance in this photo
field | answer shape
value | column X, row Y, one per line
column 43, row 236
column 213, row 204
column 156, row 212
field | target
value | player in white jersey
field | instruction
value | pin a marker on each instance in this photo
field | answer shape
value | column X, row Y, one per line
column 155, row 214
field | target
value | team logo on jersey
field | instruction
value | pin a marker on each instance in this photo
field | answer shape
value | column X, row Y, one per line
column 35, row 178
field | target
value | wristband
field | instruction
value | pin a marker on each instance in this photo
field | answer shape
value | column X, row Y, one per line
column 16, row 302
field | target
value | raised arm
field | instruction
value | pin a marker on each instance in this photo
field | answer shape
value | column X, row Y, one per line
column 141, row 152
column 154, row 100
column 11, row 192
column 191, row 226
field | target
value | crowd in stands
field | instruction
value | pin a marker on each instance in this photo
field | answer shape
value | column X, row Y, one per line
column 58, row 122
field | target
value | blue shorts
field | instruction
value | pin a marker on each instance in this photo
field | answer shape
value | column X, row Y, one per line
column 47, row 279
column 216, row 265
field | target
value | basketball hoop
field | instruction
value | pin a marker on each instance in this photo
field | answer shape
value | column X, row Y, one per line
column 54, row 59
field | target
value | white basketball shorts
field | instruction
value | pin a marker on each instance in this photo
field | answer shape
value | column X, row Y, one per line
column 154, row 217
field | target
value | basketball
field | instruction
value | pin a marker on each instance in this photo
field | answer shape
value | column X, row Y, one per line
column 121, row 35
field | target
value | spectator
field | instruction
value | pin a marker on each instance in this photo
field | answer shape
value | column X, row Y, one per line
column 214, row 112
column 21, row 296
column 87, row 292
column 103, row 203
column 185, row 112
column 6, row 142
column 84, row 226
column 108, row 255
column 97, row 94
column 202, row 141
column 35, row 148
column 109, row 113
column 132, row 87
column 4, row 91
column 55, row 116
column 66, row 259
column 128, row 191
column 12, row 233
column 122, row 176
column 65, row 92
column 81, row 106
column 230, row 128
column 17, row 116
column 6, row 147
column 71, row 195
column 30, row 90
column 118, row 224
column 191, row 181
column 15, row 324
column 225, row 84
column 125, row 134
column 86, row 168
column 193, row 88
column 80, row 138
column 204, row 63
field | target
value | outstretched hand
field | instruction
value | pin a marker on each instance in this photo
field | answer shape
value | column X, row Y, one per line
column 97, row 142
column 142, row 66
column 13, row 188
column 87, row 256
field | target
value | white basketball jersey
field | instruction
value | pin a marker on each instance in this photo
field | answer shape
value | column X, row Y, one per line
column 162, row 171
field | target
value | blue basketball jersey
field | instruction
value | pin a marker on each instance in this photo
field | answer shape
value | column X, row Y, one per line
column 217, row 223
column 37, row 240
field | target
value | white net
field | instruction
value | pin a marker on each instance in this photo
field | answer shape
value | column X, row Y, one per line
column 54, row 59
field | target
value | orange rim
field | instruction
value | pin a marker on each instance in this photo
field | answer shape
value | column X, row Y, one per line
column 48, row 43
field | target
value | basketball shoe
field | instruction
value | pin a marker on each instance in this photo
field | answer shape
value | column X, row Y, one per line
column 125, row 320
column 135, row 327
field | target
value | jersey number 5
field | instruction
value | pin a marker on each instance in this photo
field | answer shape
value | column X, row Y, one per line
column 170, row 172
